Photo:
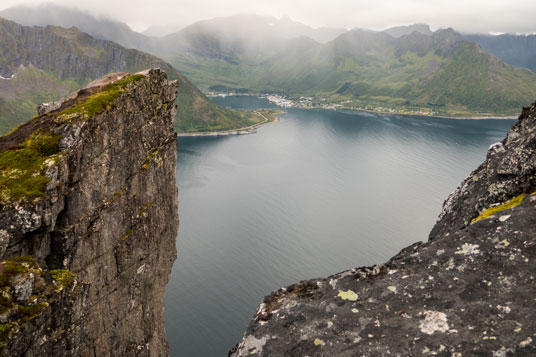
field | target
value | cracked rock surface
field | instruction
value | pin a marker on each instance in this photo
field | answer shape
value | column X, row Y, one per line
column 102, row 234
column 470, row 290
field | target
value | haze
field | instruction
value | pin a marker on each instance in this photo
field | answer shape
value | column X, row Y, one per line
column 475, row 16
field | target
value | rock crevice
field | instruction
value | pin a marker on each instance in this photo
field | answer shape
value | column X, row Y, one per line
column 103, row 220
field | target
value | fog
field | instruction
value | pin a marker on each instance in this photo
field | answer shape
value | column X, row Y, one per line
column 475, row 16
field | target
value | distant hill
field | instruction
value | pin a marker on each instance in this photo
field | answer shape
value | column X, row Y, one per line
column 41, row 64
column 56, row 15
column 441, row 71
column 400, row 31
column 161, row 30
column 405, row 67
column 517, row 50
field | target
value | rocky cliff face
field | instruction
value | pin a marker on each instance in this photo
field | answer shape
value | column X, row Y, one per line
column 470, row 290
column 88, row 220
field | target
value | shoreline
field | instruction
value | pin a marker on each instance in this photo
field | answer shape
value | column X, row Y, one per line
column 252, row 129
column 506, row 117
column 469, row 117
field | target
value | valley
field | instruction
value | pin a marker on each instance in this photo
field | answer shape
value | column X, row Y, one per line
column 404, row 69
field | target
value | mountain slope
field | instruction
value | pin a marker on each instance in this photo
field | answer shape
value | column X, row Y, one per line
column 62, row 16
column 42, row 64
column 517, row 50
column 405, row 69
column 399, row 31
column 442, row 71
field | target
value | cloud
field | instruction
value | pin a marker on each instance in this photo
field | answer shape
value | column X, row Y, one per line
column 515, row 16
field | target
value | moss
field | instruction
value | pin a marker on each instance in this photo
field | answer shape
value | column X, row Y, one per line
column 12, row 267
column 150, row 158
column 127, row 234
column 62, row 278
column 117, row 195
column 22, row 169
column 99, row 101
column 32, row 311
column 492, row 210
column 144, row 208
column 4, row 332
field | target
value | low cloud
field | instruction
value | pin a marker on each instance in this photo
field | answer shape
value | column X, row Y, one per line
column 513, row 16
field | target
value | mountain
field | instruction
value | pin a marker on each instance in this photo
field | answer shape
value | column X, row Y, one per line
column 442, row 72
column 400, row 31
column 517, row 50
column 405, row 69
column 249, row 28
column 41, row 64
column 56, row 15
column 89, row 220
column 161, row 30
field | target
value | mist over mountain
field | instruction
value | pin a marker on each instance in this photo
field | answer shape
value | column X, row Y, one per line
column 400, row 31
column 162, row 30
column 518, row 50
column 441, row 70
column 401, row 67
column 41, row 64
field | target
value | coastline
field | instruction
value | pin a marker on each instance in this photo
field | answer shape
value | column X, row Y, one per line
column 506, row 117
column 252, row 129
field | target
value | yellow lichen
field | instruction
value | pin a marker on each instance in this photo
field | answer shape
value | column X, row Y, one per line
column 318, row 342
column 507, row 205
column 347, row 295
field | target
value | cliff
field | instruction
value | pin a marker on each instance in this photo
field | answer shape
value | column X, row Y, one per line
column 469, row 290
column 88, row 221
column 40, row 64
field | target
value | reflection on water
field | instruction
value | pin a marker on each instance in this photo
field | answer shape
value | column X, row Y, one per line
column 312, row 195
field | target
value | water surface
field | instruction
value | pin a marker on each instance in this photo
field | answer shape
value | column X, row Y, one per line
column 315, row 194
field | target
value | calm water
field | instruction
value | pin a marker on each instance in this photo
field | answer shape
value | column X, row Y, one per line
column 312, row 195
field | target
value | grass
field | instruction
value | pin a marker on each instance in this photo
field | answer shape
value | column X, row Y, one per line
column 461, row 82
column 101, row 100
column 22, row 170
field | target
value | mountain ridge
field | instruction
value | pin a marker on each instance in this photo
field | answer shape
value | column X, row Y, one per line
column 66, row 59
column 414, row 71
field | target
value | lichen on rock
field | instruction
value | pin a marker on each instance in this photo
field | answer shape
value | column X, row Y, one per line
column 469, row 290
column 69, row 288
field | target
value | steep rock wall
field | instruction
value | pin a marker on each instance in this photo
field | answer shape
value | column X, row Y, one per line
column 88, row 225
column 468, row 291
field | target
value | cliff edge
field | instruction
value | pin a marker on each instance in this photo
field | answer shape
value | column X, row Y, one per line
column 88, row 221
column 470, row 290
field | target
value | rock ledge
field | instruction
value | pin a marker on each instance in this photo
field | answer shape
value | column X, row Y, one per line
column 470, row 290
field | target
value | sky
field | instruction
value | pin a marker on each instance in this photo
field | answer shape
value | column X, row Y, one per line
column 469, row 16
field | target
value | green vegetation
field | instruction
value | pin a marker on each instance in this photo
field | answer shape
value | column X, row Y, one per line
column 62, row 278
column 20, row 96
column 12, row 267
column 22, row 270
column 441, row 74
column 22, row 170
column 55, row 80
column 101, row 100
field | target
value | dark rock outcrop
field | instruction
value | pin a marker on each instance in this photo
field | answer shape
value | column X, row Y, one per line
column 470, row 290
column 88, row 223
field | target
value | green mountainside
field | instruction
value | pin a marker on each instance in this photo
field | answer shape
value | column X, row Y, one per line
column 402, row 69
column 517, row 50
column 441, row 72
column 41, row 64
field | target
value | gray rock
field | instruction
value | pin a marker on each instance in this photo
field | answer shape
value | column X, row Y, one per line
column 468, row 291
column 23, row 287
column 110, row 208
